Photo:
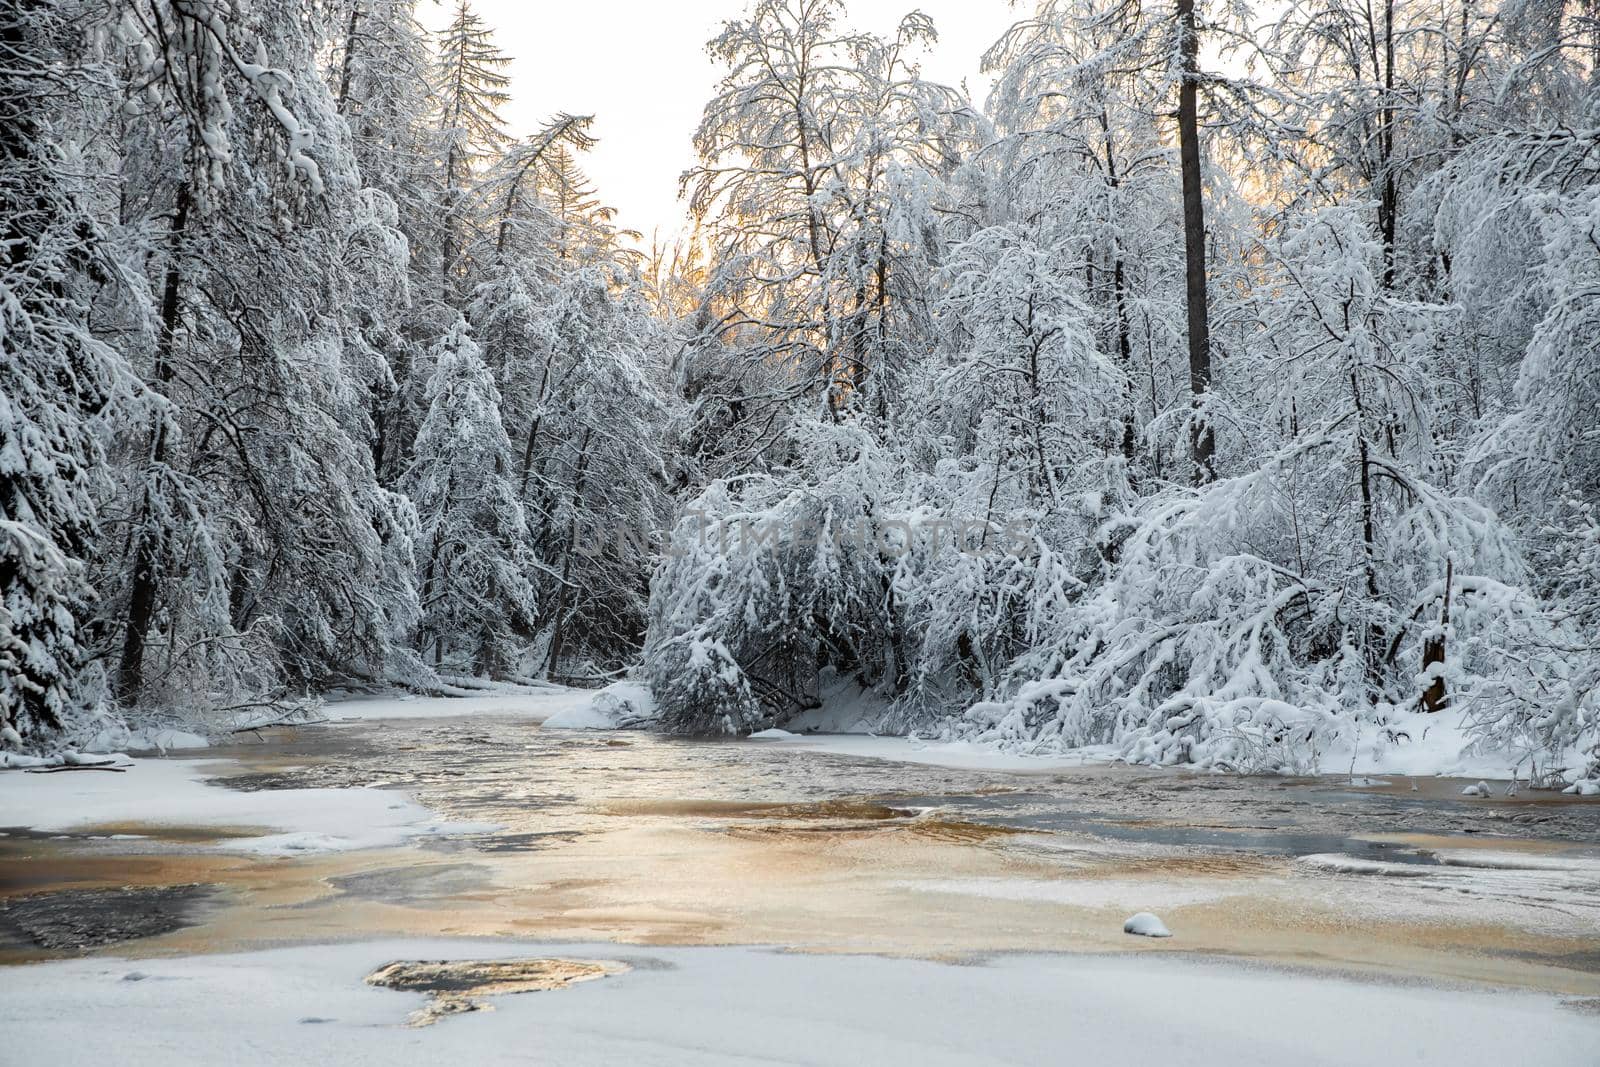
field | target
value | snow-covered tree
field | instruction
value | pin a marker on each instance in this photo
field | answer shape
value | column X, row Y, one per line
column 479, row 604
column 469, row 90
column 814, row 152
column 770, row 578
column 58, row 385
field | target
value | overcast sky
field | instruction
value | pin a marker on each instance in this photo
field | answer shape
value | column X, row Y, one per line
column 640, row 67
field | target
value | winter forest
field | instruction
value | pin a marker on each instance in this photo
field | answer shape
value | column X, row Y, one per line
column 1222, row 386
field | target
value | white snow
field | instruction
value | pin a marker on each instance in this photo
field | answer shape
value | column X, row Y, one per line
column 1339, row 863
column 1426, row 745
column 1109, row 893
column 536, row 704
column 149, row 739
column 172, row 792
column 957, row 755
column 847, row 719
column 845, row 706
column 1432, row 745
column 1145, row 924
column 617, row 705
column 708, row 1006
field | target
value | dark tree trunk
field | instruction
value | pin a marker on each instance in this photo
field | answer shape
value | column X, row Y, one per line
column 142, row 594
column 1125, row 361
column 558, row 635
column 1202, row 441
column 1388, row 193
column 345, row 66
column 1119, row 296
column 1436, row 697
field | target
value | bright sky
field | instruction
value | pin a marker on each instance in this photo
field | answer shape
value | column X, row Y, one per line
column 640, row 67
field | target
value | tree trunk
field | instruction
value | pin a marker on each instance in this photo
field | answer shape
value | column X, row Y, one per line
column 1125, row 361
column 1202, row 441
column 533, row 427
column 1436, row 697
column 142, row 594
column 1388, row 193
column 447, row 247
column 346, row 66
column 558, row 635
column 1368, row 507
column 1119, row 295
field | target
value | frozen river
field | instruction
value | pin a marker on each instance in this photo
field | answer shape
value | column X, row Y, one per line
column 631, row 839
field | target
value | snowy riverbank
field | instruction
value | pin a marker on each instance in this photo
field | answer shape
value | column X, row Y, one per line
column 723, row 1005
column 1415, row 745
column 157, row 793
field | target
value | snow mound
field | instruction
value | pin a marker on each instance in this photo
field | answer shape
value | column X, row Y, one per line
column 844, row 706
column 149, row 739
column 502, row 700
column 773, row 735
column 1339, row 863
column 1145, row 924
column 1588, row 787
column 11, row 760
column 619, row 706
column 1481, row 859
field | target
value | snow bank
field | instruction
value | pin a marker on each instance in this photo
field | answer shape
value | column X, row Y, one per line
column 845, row 707
column 148, row 739
column 1411, row 744
column 1422, row 745
column 168, row 792
column 850, row 717
column 537, row 704
column 1339, row 863
column 618, row 706
column 725, row 1005
column 956, row 755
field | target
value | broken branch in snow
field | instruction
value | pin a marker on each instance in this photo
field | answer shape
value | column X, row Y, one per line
column 107, row 766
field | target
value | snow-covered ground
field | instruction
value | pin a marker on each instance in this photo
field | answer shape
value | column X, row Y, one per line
column 704, row 1006
column 958, row 755
column 174, row 792
column 1437, row 744
column 1421, row 745
column 536, row 704
column 617, row 705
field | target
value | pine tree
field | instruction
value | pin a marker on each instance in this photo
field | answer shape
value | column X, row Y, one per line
column 469, row 89
column 478, row 603
column 56, row 383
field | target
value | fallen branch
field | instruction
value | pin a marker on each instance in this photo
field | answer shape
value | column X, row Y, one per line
column 287, row 720
column 74, row 767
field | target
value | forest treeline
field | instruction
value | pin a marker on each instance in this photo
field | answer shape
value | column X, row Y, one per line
column 1275, row 333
